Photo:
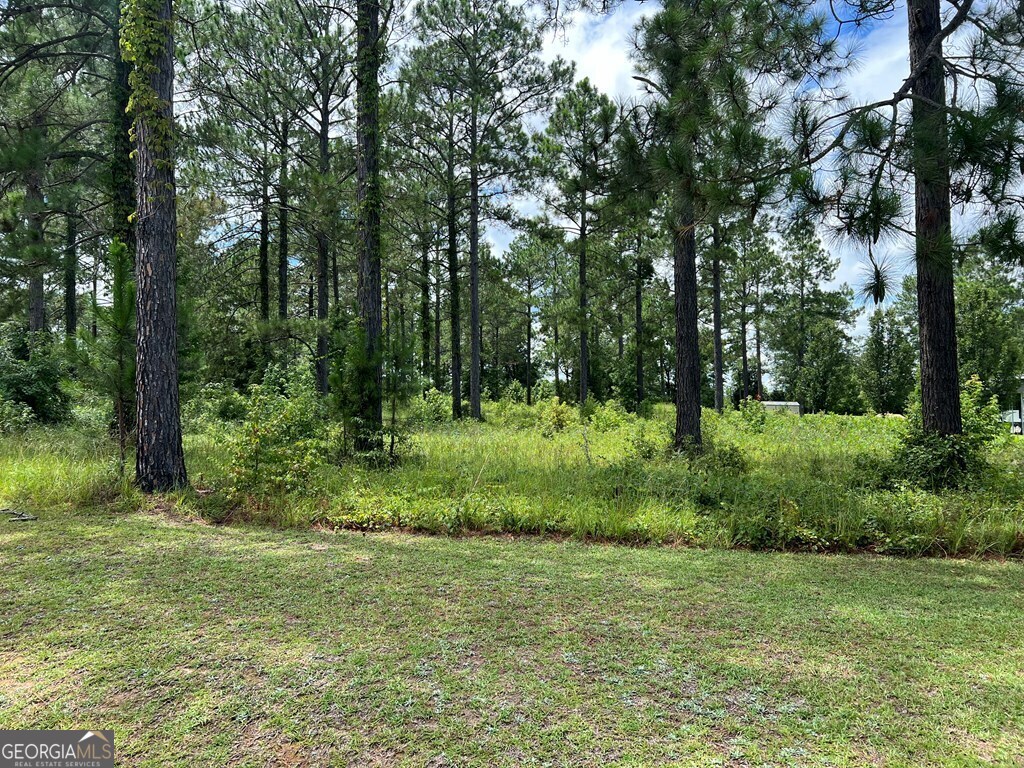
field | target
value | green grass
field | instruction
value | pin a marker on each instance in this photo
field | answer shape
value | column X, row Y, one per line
column 815, row 483
column 234, row 645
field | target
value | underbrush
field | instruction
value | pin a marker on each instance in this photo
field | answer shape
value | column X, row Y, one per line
column 767, row 481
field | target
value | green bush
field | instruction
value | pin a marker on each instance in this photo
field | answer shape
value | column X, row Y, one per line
column 754, row 414
column 284, row 439
column 514, row 393
column 432, row 407
column 610, row 416
column 14, row 417
column 931, row 460
column 31, row 370
column 215, row 401
column 555, row 416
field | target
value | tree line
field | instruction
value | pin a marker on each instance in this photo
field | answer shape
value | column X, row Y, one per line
column 317, row 182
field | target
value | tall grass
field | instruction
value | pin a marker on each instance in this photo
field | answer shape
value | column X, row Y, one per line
column 820, row 483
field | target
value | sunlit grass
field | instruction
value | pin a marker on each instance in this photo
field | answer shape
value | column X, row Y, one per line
column 818, row 483
column 236, row 645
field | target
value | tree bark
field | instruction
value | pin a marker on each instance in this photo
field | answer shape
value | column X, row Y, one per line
column 453, row 289
column 529, row 341
column 369, row 201
column 687, row 368
column 476, row 361
column 425, row 312
column 744, row 356
column 122, row 169
column 437, row 325
column 322, row 256
column 159, row 458
column 282, row 227
column 583, row 301
column 71, row 277
column 264, row 253
column 940, row 387
column 638, row 324
column 35, row 203
column 716, row 316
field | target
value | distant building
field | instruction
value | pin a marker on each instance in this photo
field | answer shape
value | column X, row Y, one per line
column 782, row 405
column 1016, row 418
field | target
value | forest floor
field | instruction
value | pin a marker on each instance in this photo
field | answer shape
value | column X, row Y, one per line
column 241, row 646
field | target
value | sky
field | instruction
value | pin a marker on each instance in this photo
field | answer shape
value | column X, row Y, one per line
column 600, row 45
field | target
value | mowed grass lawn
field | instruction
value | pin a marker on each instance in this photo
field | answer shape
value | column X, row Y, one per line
column 211, row 646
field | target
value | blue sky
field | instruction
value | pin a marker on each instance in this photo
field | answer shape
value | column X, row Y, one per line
column 600, row 45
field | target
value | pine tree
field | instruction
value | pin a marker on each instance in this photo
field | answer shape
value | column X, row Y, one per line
column 577, row 148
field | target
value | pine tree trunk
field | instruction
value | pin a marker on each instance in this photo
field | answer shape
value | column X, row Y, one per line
column 425, row 311
column 622, row 335
column 322, row 257
column 476, row 360
column 758, row 315
column 369, row 201
column 529, row 342
column 716, row 316
column 95, row 293
column 687, row 368
column 71, row 277
column 35, row 203
column 282, row 227
column 437, row 327
column 159, row 458
column 940, row 386
column 264, row 252
column 638, row 326
column 453, row 289
column 744, row 357
column 583, row 301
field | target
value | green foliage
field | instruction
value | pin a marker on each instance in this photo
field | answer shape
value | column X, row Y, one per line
column 990, row 327
column 283, row 439
column 754, row 414
column 143, row 36
column 14, row 417
column 932, row 460
column 353, row 379
column 107, row 362
column 827, row 378
column 215, row 402
column 887, row 364
column 432, row 407
column 610, row 416
column 514, row 392
column 31, row 373
column 555, row 416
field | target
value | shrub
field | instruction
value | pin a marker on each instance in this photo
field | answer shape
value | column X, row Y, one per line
column 647, row 440
column 754, row 414
column 543, row 390
column 216, row 401
column 30, row 373
column 722, row 459
column 432, row 407
column 14, row 417
column 610, row 416
column 282, row 441
column 555, row 416
column 518, row 415
column 931, row 460
column 514, row 393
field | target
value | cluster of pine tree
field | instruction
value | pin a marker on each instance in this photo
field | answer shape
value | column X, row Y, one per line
column 316, row 182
